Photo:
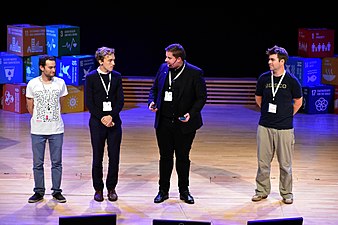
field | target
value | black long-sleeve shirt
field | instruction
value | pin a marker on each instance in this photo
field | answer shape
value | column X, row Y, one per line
column 95, row 95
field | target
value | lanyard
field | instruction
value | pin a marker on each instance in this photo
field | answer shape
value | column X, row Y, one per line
column 104, row 85
column 273, row 86
column 176, row 76
column 40, row 78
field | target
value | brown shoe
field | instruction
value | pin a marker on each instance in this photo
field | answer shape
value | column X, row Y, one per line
column 98, row 196
column 112, row 196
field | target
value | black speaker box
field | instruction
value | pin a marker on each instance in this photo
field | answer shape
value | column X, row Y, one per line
column 179, row 222
column 281, row 221
column 98, row 219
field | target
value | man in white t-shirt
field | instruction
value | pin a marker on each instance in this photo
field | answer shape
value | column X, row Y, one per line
column 44, row 95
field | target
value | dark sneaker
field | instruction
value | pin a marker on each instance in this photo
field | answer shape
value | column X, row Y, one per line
column 59, row 197
column 35, row 198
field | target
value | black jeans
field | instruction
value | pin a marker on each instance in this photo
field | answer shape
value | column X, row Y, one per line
column 100, row 135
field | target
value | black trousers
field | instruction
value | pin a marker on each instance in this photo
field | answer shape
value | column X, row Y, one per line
column 172, row 142
column 100, row 136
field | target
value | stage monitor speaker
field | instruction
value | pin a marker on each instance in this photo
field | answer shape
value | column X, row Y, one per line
column 281, row 221
column 98, row 219
column 179, row 222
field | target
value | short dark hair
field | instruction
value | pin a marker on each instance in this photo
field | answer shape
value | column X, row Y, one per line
column 177, row 50
column 44, row 58
column 281, row 52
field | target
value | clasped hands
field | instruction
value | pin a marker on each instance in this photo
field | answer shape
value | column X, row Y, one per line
column 107, row 121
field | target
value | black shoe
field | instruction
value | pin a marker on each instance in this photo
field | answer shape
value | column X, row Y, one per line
column 186, row 197
column 112, row 196
column 98, row 196
column 161, row 196
column 59, row 197
column 35, row 198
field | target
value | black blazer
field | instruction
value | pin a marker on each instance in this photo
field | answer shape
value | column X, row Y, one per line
column 191, row 98
column 95, row 95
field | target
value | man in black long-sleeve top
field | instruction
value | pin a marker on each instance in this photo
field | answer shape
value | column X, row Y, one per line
column 105, row 100
column 177, row 95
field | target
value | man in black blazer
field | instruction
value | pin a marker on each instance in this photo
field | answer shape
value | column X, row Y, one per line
column 178, row 96
column 105, row 100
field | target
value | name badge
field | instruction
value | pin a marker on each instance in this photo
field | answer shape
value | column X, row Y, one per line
column 168, row 96
column 272, row 108
column 107, row 106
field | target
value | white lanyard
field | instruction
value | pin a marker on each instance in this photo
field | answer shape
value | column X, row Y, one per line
column 104, row 85
column 176, row 76
column 273, row 86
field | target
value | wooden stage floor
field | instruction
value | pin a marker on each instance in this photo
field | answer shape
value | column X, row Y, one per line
column 222, row 171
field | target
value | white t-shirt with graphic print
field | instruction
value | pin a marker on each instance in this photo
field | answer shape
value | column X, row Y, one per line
column 46, row 118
